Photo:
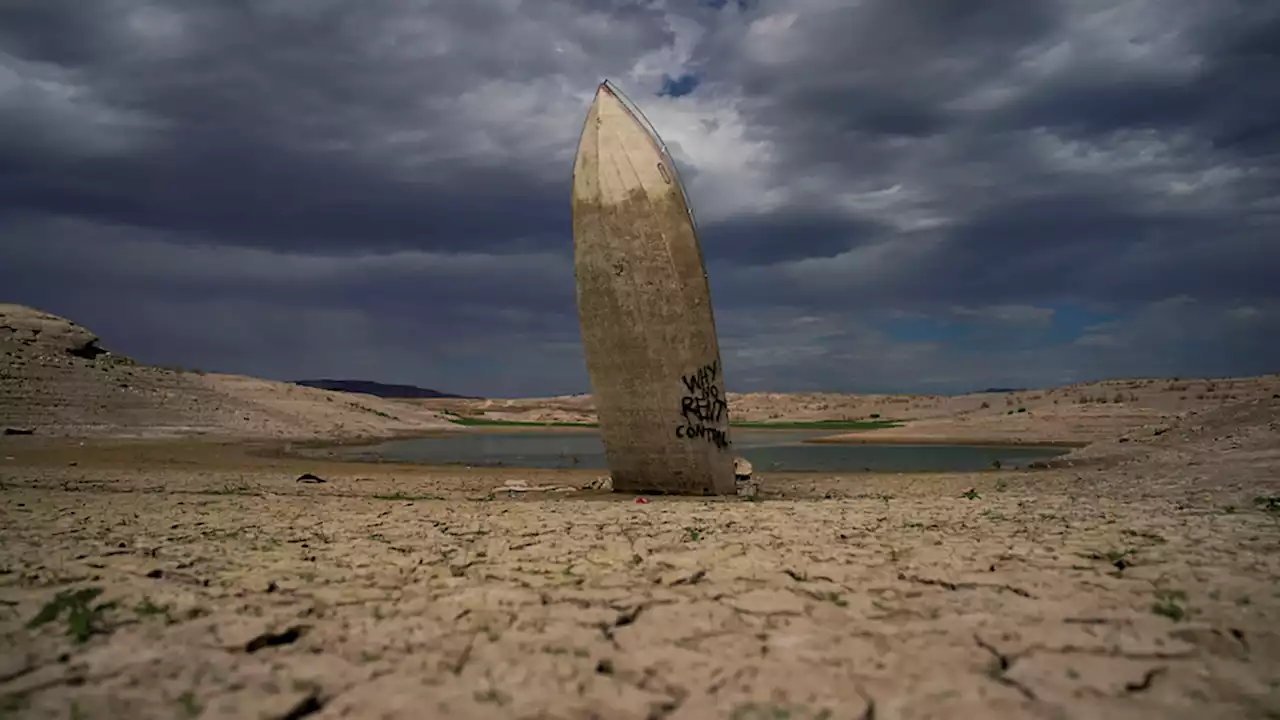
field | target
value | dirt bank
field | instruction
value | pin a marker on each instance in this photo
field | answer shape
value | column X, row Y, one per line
column 1065, row 416
column 57, row 379
column 1140, row 586
column 222, row 578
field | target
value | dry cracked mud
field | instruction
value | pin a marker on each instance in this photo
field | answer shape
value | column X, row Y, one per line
column 184, row 580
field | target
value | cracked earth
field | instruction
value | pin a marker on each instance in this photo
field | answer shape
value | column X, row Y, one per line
column 185, row 580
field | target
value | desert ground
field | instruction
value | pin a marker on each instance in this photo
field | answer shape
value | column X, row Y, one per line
column 165, row 552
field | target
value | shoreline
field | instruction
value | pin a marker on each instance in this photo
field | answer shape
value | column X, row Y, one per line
column 374, row 458
column 277, row 445
column 870, row 438
column 154, row 457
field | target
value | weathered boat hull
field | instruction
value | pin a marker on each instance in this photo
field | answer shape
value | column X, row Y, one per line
column 644, row 307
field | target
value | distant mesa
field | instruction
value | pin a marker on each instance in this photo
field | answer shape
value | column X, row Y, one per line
column 1002, row 390
column 377, row 389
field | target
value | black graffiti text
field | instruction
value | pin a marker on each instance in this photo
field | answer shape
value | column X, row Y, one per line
column 715, row 436
column 702, row 402
column 703, row 407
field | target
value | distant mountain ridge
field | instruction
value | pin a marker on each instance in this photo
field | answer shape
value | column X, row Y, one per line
column 377, row 389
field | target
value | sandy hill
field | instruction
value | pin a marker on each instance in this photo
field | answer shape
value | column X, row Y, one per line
column 1079, row 413
column 1247, row 431
column 57, row 379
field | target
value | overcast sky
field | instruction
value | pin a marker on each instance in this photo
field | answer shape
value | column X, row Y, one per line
column 893, row 195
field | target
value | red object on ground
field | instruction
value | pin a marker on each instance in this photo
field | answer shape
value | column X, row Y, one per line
column 641, row 500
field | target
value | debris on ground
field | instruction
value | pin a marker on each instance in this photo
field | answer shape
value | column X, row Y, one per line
column 748, row 486
column 520, row 486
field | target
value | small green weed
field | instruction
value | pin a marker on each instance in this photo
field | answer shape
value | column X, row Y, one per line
column 971, row 494
column 1268, row 503
column 693, row 534
column 146, row 607
column 832, row 597
column 1154, row 538
column 410, row 498
column 493, row 696
column 189, row 705
column 83, row 619
column 1170, row 604
column 12, row 705
column 1115, row 556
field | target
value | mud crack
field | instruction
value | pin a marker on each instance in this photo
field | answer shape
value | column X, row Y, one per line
column 693, row 579
column 623, row 619
column 1145, row 683
column 870, row 712
column 287, row 637
column 964, row 585
column 465, row 656
column 307, row 706
column 664, row 709
column 1003, row 663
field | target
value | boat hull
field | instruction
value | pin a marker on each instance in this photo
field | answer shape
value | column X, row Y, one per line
column 644, row 308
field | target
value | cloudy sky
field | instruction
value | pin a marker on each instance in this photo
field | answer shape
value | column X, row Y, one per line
column 928, row 196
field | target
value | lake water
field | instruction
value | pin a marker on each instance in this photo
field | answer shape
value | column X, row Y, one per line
column 768, row 451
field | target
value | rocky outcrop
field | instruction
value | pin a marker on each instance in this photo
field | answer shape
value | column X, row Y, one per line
column 56, row 379
column 39, row 332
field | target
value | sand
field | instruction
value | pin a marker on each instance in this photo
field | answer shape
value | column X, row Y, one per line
column 50, row 385
column 1071, row 415
column 198, row 577
column 1140, row 584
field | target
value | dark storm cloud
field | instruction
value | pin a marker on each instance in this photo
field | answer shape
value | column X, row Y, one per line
column 267, row 197
column 1051, row 186
column 780, row 237
column 265, row 116
column 379, row 188
column 1009, row 251
column 885, row 68
column 1228, row 99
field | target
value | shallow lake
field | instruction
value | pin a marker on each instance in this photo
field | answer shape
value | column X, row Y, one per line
column 768, row 451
